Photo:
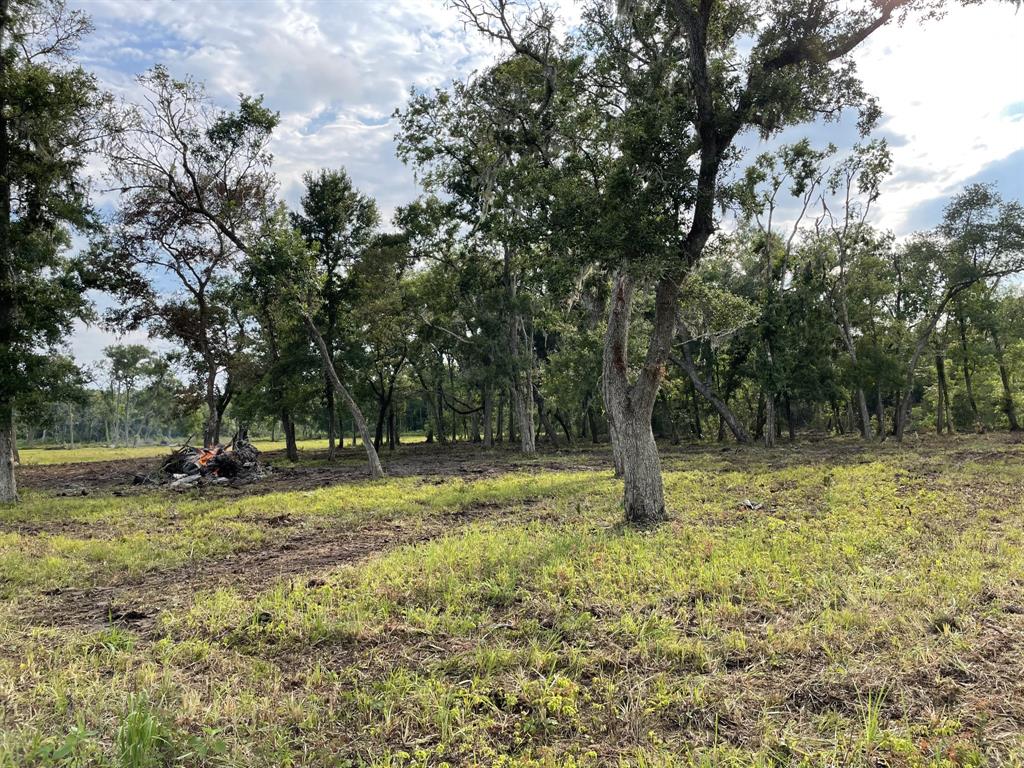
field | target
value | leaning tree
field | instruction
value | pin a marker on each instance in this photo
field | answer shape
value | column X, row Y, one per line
column 212, row 166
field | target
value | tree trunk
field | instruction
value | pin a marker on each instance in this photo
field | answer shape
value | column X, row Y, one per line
column 511, row 420
column 488, row 396
column 500, row 419
column 940, row 395
column 522, row 404
column 1009, row 407
column 968, row 377
column 790, row 422
column 376, row 470
column 837, row 420
column 770, row 420
column 545, row 417
column 210, row 427
column 673, row 431
column 759, row 418
column 563, row 422
column 865, row 415
column 288, row 428
column 332, row 420
column 8, row 281
column 698, row 429
column 378, row 432
column 442, row 435
column 880, row 411
column 631, row 404
column 222, row 406
column 947, row 410
column 903, row 410
column 8, row 443
column 592, row 424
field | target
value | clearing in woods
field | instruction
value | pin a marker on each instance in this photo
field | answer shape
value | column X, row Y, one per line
column 831, row 605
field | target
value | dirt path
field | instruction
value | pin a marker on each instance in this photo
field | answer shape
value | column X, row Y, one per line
column 310, row 554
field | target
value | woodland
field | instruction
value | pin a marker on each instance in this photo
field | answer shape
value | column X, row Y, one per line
column 633, row 439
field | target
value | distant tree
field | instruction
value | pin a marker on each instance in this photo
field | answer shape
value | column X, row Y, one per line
column 981, row 238
column 124, row 365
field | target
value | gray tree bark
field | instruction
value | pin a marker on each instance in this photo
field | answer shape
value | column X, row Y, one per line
column 376, row 470
column 631, row 404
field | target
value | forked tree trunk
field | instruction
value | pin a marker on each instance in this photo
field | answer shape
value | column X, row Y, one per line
column 545, row 416
column 943, row 415
column 8, row 484
column 563, row 422
column 903, row 408
column 376, row 470
column 631, row 404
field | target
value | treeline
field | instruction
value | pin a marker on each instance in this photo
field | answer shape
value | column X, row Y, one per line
column 583, row 197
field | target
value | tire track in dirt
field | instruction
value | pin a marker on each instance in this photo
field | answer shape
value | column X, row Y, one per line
column 137, row 602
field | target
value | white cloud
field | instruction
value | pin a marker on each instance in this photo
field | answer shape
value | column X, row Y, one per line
column 945, row 88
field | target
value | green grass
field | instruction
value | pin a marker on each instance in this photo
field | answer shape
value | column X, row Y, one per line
column 56, row 455
column 869, row 613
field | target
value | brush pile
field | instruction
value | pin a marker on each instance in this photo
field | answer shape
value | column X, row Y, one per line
column 189, row 466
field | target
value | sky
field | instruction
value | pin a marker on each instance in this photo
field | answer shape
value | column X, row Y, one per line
column 952, row 93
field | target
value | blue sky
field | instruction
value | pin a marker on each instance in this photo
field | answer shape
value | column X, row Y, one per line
column 952, row 93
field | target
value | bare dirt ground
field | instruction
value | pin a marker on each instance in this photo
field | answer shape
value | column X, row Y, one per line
column 466, row 461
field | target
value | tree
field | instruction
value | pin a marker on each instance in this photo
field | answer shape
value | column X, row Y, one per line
column 338, row 223
column 152, row 241
column 192, row 163
column 285, row 270
column 49, row 110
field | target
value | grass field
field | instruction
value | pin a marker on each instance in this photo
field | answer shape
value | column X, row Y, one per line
column 53, row 455
column 826, row 605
